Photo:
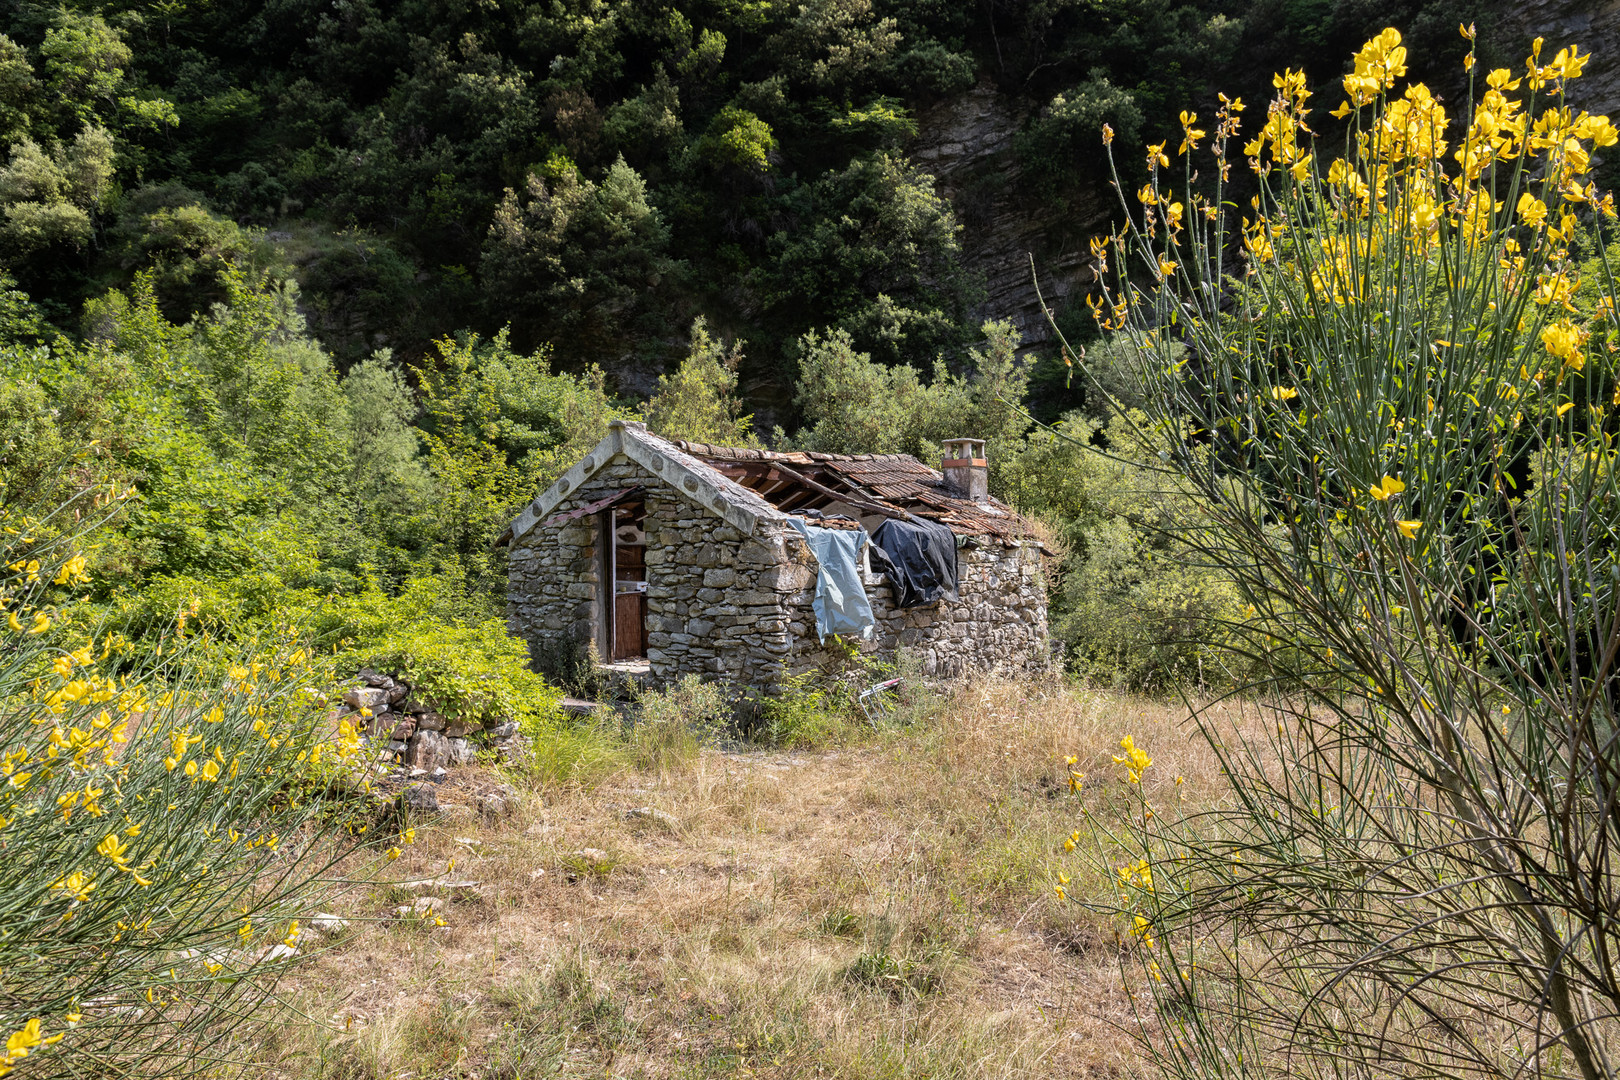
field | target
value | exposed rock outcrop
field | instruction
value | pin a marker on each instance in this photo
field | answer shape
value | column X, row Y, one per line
column 967, row 143
column 1594, row 25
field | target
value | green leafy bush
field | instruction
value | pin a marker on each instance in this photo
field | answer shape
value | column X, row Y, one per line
column 821, row 707
column 804, row 712
column 699, row 401
column 672, row 725
column 438, row 640
column 1139, row 607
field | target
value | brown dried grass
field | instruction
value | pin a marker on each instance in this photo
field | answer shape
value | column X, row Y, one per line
column 884, row 910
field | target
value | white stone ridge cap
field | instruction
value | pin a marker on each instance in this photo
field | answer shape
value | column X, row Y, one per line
column 695, row 480
column 547, row 501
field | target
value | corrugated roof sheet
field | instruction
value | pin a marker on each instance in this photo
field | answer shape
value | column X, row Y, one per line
column 898, row 481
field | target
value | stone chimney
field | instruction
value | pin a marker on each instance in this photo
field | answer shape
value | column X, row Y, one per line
column 966, row 469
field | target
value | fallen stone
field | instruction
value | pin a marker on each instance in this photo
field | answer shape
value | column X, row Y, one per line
column 367, row 697
column 462, row 752
column 493, row 807
column 327, row 924
column 513, row 749
column 427, row 750
column 419, row 798
column 648, row 813
column 438, row 883
column 422, row 907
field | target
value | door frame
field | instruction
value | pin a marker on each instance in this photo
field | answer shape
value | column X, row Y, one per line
column 607, row 585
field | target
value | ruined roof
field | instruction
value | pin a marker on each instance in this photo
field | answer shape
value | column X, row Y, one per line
column 699, row 481
column 746, row 486
column 897, row 482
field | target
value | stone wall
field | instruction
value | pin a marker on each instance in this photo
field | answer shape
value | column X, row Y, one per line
column 409, row 730
column 716, row 600
column 724, row 605
column 717, row 603
column 997, row 623
column 552, row 572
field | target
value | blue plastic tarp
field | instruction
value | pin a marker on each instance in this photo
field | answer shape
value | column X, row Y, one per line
column 840, row 605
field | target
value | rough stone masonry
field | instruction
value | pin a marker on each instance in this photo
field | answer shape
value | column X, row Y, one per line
column 730, row 582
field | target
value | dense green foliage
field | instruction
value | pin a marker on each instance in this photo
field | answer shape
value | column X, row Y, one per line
column 592, row 173
column 336, row 289
column 268, row 493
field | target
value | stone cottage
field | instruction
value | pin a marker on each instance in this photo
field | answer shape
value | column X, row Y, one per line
column 677, row 557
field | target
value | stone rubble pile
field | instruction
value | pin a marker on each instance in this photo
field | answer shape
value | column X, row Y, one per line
column 411, row 730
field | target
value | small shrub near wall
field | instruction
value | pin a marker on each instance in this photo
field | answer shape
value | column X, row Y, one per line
column 674, row 724
column 822, row 707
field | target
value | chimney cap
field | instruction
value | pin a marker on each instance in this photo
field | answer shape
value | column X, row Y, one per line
column 965, row 446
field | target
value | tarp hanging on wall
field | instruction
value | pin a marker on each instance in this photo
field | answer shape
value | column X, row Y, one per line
column 841, row 605
column 918, row 559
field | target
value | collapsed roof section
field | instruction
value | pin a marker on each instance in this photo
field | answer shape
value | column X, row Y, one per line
column 745, row 486
column 895, row 485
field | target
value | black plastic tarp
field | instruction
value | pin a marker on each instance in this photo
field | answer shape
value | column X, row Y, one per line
column 918, row 559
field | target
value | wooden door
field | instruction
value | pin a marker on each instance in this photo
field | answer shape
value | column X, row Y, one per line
column 630, row 602
column 630, row 625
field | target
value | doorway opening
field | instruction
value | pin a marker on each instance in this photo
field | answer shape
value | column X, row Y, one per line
column 623, row 596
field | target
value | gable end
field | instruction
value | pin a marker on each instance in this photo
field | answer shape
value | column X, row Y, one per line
column 692, row 479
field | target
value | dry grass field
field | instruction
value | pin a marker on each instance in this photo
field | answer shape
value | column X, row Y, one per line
column 882, row 909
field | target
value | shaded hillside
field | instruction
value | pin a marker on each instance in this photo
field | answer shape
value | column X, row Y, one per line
column 595, row 174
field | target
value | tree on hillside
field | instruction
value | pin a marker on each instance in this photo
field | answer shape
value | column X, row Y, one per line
column 383, row 446
column 855, row 405
column 573, row 258
column 51, row 198
column 879, row 255
column 699, row 401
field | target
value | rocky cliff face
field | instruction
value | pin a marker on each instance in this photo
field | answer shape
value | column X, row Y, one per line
column 1594, row 25
column 967, row 143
